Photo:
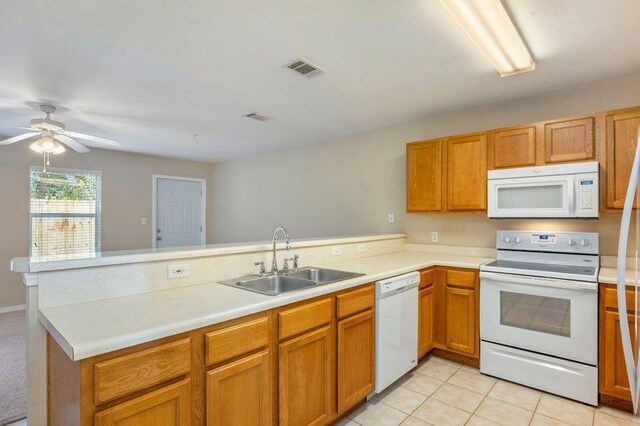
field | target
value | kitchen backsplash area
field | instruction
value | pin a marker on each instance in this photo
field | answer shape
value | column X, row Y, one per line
column 476, row 230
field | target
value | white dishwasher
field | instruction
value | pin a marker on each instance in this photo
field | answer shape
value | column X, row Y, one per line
column 396, row 328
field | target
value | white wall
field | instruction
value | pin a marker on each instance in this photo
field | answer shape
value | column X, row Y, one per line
column 347, row 185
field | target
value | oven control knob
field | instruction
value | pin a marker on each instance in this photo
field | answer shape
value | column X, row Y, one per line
column 571, row 242
column 517, row 240
column 507, row 240
column 584, row 243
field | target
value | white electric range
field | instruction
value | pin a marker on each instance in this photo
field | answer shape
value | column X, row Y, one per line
column 539, row 312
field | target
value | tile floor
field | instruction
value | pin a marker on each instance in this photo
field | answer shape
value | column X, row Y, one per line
column 441, row 392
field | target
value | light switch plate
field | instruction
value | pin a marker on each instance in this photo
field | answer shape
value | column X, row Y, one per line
column 178, row 271
column 143, row 221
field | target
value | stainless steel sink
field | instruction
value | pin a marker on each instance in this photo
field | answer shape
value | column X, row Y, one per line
column 283, row 282
column 275, row 284
column 322, row 276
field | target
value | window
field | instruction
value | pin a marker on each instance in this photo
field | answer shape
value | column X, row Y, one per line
column 65, row 212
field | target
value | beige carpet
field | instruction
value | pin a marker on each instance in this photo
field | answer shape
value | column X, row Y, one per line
column 13, row 368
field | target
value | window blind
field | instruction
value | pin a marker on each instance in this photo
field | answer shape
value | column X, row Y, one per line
column 64, row 212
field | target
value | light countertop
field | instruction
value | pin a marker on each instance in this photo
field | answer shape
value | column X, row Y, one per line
column 87, row 329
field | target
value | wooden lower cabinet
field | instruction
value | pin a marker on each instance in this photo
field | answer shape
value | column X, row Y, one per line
column 425, row 320
column 168, row 406
column 240, row 393
column 461, row 320
column 305, row 385
column 614, row 385
column 455, row 308
column 356, row 359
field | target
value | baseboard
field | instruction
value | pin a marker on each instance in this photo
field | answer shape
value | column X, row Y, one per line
column 12, row 308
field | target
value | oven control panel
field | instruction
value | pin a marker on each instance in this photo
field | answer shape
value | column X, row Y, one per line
column 557, row 242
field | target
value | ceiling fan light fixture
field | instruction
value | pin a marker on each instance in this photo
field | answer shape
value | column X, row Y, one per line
column 489, row 26
column 47, row 146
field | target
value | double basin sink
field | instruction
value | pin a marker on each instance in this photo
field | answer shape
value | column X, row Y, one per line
column 273, row 285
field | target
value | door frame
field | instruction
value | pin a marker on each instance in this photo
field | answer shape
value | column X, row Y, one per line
column 203, row 207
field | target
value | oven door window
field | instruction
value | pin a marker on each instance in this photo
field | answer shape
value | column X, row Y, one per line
column 542, row 314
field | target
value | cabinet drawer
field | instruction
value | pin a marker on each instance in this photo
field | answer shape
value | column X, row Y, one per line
column 230, row 342
column 303, row 318
column 426, row 278
column 355, row 301
column 611, row 298
column 130, row 373
column 459, row 278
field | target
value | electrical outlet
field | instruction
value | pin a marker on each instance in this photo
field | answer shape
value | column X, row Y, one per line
column 362, row 248
column 435, row 237
column 143, row 221
column 178, row 271
column 391, row 218
column 336, row 251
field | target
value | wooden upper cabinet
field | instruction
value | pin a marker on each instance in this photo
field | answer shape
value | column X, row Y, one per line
column 424, row 176
column 513, row 147
column 467, row 173
column 621, row 139
column 569, row 140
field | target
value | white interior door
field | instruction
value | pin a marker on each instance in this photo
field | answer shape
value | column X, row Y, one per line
column 179, row 218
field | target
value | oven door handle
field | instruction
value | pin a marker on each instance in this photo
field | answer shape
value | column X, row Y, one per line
column 540, row 282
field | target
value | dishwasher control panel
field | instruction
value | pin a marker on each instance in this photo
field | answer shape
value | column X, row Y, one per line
column 395, row 284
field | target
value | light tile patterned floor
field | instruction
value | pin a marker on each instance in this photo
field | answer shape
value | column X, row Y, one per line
column 441, row 392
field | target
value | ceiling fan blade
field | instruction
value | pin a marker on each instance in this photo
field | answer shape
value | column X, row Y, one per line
column 98, row 139
column 74, row 145
column 21, row 128
column 19, row 138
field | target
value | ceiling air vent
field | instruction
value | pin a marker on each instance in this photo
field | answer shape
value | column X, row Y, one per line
column 258, row 117
column 305, row 68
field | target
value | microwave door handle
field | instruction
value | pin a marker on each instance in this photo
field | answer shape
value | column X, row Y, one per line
column 571, row 182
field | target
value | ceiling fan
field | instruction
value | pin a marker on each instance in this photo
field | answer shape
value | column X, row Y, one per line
column 51, row 134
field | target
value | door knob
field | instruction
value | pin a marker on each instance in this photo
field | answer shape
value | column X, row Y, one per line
column 158, row 238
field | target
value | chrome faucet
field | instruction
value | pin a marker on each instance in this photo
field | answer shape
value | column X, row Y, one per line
column 274, row 263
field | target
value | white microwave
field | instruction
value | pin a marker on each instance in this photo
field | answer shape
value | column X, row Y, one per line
column 559, row 191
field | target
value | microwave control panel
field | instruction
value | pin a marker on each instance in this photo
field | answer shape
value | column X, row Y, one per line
column 587, row 199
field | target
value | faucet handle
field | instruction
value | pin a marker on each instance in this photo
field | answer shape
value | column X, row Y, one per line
column 295, row 263
column 262, row 268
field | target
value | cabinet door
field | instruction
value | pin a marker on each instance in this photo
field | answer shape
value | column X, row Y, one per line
column 305, row 378
column 570, row 140
column 425, row 320
column 467, row 173
column 240, row 393
column 168, row 406
column 622, row 134
column 513, row 147
column 614, row 380
column 461, row 320
column 424, row 177
column 356, row 359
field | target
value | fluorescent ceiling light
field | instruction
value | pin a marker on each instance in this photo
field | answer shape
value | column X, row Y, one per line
column 489, row 25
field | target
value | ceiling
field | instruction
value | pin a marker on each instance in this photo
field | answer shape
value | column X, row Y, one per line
column 152, row 74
